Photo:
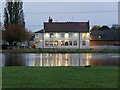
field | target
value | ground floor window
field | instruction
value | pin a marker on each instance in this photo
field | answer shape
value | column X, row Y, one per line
column 70, row 43
column 62, row 43
column 51, row 43
column 46, row 43
column 55, row 43
column 83, row 43
column 75, row 43
column 36, row 44
column 66, row 43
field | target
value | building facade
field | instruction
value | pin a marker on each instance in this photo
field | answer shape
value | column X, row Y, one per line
column 63, row 35
column 104, row 38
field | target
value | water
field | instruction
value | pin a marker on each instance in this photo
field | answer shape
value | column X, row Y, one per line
column 58, row 59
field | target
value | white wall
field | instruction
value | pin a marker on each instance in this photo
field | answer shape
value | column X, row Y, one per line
column 42, row 37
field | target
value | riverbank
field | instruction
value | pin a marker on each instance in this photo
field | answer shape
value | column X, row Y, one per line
column 60, row 51
column 60, row 77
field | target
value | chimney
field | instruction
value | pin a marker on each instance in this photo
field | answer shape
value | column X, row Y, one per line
column 50, row 20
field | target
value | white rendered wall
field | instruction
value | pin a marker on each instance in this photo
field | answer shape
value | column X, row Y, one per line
column 42, row 37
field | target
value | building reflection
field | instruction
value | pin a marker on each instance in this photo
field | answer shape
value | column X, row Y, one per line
column 61, row 60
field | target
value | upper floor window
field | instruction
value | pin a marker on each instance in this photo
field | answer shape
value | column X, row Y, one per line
column 62, row 35
column 85, row 35
column 51, row 35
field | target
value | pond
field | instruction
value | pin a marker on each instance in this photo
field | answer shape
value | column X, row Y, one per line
column 59, row 59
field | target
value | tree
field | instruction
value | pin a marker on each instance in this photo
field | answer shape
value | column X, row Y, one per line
column 95, row 27
column 14, row 33
column 14, row 23
column 104, row 28
column 13, row 13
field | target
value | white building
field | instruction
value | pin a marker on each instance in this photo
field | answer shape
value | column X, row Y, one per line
column 63, row 35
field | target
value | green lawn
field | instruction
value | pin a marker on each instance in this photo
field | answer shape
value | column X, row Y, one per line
column 60, row 77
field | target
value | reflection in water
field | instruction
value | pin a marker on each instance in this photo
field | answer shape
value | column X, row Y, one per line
column 61, row 60
column 11, row 59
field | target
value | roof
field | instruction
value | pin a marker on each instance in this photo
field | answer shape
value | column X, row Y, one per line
column 66, row 26
column 112, row 35
column 40, row 31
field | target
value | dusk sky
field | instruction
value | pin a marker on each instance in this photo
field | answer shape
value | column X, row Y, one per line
column 98, row 13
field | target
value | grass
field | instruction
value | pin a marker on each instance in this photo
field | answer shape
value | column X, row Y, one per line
column 60, row 77
column 60, row 51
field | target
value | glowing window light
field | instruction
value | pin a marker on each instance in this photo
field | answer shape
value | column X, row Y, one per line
column 46, row 35
column 66, row 35
column 85, row 35
column 56, row 35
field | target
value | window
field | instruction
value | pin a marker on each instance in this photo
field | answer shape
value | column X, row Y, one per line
column 51, row 35
column 51, row 43
column 70, row 43
column 84, row 35
column 75, row 43
column 56, row 43
column 66, row 35
column 66, row 43
column 62, row 43
column 46, row 43
column 62, row 35
column 83, row 43
column 36, row 44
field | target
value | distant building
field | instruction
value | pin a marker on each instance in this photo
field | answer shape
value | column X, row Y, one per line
column 63, row 35
column 104, row 37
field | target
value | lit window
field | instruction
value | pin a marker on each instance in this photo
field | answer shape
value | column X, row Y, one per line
column 62, row 43
column 66, row 35
column 46, row 43
column 75, row 43
column 51, row 35
column 66, row 43
column 56, row 43
column 84, row 35
column 56, row 35
column 51, row 43
column 62, row 35
column 83, row 43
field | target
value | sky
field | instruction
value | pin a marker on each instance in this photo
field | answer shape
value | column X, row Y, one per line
column 98, row 13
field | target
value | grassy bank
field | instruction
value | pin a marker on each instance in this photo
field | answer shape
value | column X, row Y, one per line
column 59, row 51
column 60, row 77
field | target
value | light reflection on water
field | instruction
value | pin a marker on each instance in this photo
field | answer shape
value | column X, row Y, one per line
column 58, row 59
